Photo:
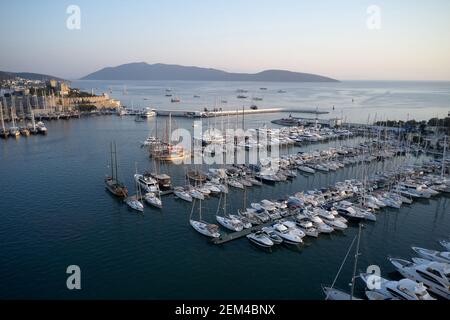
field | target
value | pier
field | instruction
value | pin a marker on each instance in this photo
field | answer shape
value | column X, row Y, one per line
column 236, row 112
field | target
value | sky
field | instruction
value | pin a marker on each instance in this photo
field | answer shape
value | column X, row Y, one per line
column 326, row 37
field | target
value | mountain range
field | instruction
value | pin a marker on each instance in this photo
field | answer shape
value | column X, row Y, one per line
column 7, row 75
column 159, row 71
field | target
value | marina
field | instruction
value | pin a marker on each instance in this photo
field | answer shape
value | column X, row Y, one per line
column 315, row 159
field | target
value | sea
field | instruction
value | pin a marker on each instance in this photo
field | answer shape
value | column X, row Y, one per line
column 55, row 211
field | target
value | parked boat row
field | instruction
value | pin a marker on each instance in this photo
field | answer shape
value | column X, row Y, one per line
column 428, row 273
column 314, row 212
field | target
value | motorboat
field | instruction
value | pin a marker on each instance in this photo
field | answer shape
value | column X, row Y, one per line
column 153, row 199
column 195, row 193
column 205, row 190
column 207, row 229
column 147, row 183
column 286, row 234
column 434, row 275
column 306, row 169
column 306, row 226
column 404, row 289
column 433, row 255
column 245, row 222
column 235, row 184
column 182, row 194
column 293, row 227
column 318, row 223
column 230, row 223
column 276, row 239
column 261, row 239
column 42, row 129
column 134, row 203
column 346, row 209
column 330, row 220
column 213, row 188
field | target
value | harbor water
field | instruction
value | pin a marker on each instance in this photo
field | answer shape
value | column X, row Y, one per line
column 55, row 212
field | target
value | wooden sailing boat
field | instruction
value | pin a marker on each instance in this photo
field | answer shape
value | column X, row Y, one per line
column 166, row 151
column 112, row 183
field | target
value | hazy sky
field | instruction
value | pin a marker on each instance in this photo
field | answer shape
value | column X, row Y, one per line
column 324, row 37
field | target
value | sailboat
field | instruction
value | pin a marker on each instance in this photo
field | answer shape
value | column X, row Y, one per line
column 226, row 221
column 166, row 151
column 206, row 229
column 33, row 129
column 13, row 131
column 332, row 293
column 112, row 183
column 3, row 132
column 134, row 201
column 23, row 130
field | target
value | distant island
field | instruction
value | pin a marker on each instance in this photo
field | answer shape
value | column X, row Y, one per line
column 7, row 75
column 159, row 71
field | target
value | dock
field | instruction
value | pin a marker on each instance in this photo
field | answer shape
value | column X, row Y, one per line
column 236, row 112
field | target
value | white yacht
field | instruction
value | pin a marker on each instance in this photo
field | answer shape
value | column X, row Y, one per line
column 207, row 229
column 153, row 199
column 306, row 226
column 230, row 223
column 235, row 184
column 245, row 222
column 293, row 227
column 42, row 129
column 261, row 239
column 276, row 239
column 434, row 275
column 134, row 203
column 318, row 223
column 405, row 289
column 433, row 255
column 195, row 193
column 147, row 183
column 182, row 194
column 286, row 234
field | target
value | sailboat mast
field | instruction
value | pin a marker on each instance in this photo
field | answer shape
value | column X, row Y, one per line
column 115, row 159
column 1, row 115
column 112, row 163
column 170, row 129
column 444, row 156
column 356, row 261
column 32, row 118
column 243, row 117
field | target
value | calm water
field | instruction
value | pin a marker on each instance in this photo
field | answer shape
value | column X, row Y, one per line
column 55, row 212
column 357, row 101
